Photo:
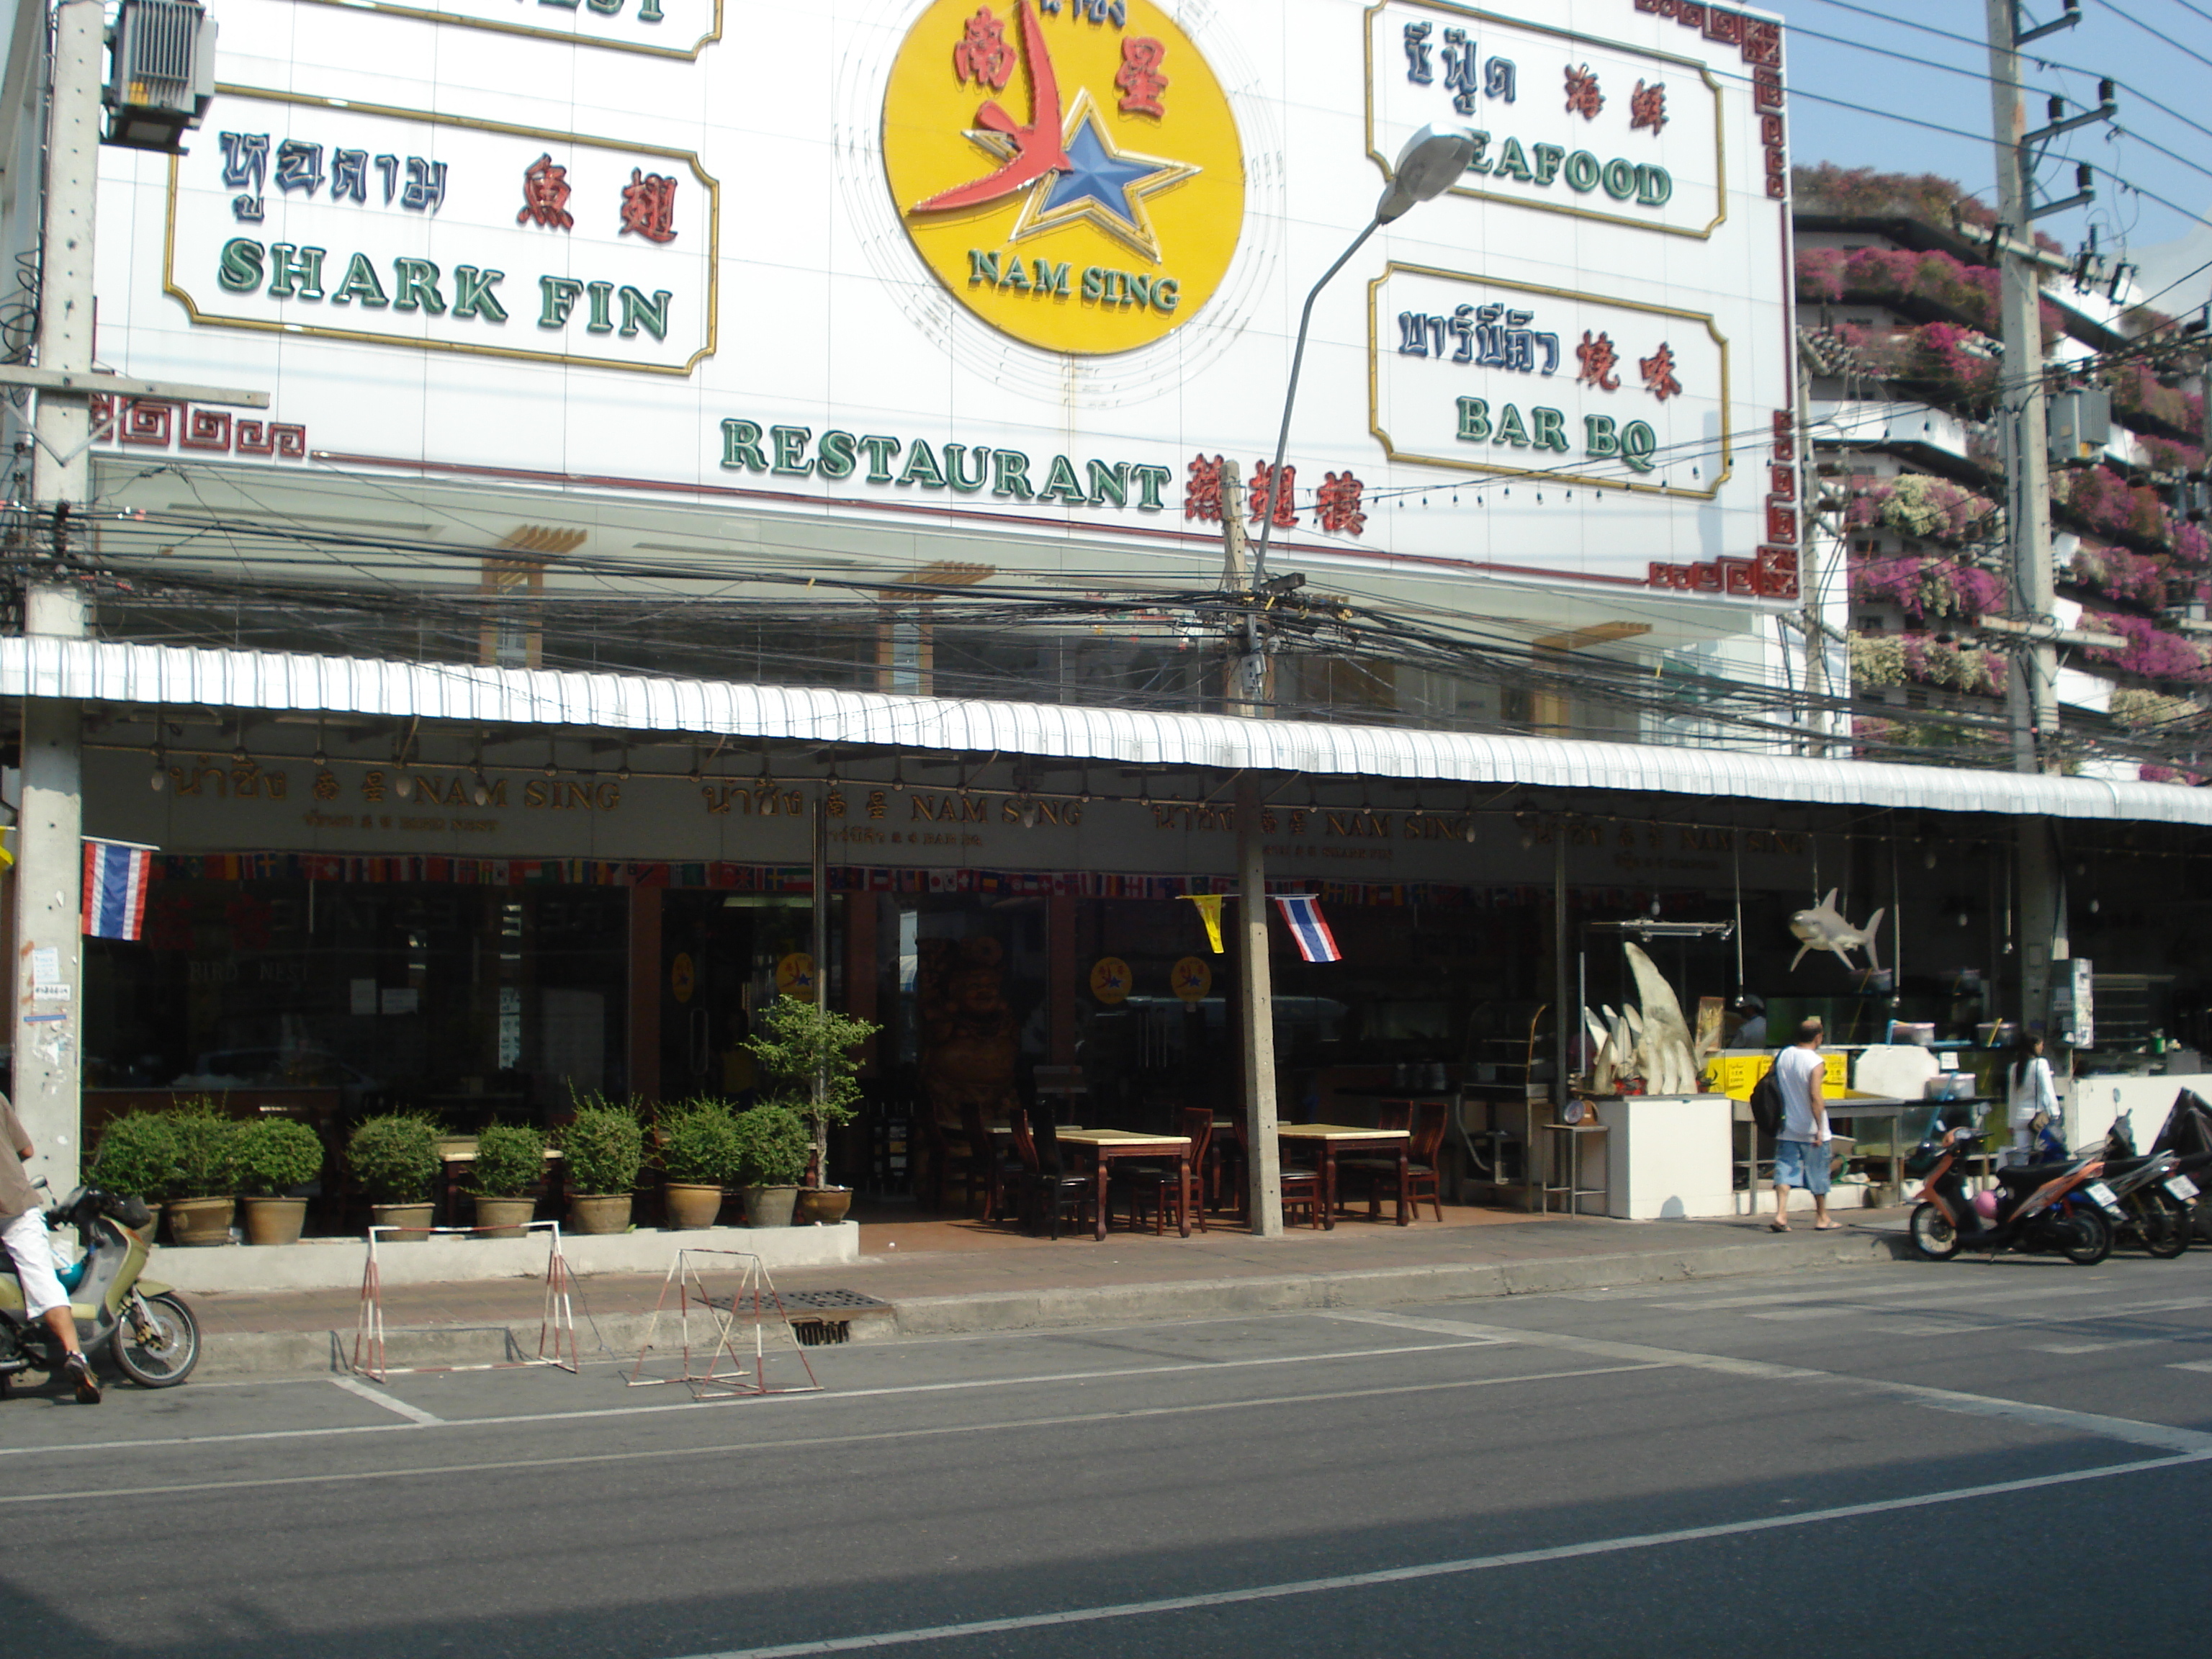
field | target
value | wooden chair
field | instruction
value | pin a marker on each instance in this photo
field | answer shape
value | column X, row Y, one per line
column 1300, row 1187
column 1046, row 1184
column 1158, row 1183
column 946, row 1161
column 997, row 1167
column 1380, row 1175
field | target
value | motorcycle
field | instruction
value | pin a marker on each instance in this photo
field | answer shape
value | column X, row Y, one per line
column 2154, row 1191
column 2057, row 1209
column 149, row 1329
column 2188, row 1135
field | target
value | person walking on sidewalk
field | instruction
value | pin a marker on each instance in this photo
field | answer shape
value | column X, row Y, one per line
column 1800, row 1150
column 23, row 1229
column 2031, row 1097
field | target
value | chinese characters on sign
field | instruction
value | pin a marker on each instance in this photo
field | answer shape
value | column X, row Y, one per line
column 1337, row 503
column 648, row 206
column 545, row 195
column 1140, row 79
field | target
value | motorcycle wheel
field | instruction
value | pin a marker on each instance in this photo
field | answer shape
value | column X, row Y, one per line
column 2087, row 1238
column 2165, row 1228
column 1933, row 1234
column 169, row 1348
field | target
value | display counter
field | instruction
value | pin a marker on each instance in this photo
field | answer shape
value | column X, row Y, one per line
column 1668, row 1157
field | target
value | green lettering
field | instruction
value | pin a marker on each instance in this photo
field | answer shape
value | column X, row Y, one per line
column 1010, row 474
column 959, row 480
column 1599, row 439
column 1167, row 295
column 1582, row 171
column 1637, row 441
column 1512, row 164
column 1548, row 157
column 1141, row 290
column 741, row 445
column 638, row 311
column 289, row 268
column 360, row 284
column 1653, row 186
column 1150, row 481
column 1549, row 429
column 982, row 267
column 1618, row 179
column 790, row 445
column 602, row 317
column 921, row 467
column 837, row 458
column 1060, row 485
column 415, row 287
column 880, row 450
column 557, row 297
column 1094, row 282
column 1473, row 420
column 1478, row 162
column 1109, row 484
column 241, row 268
column 1015, row 276
column 472, row 295
column 1510, row 428
column 1049, row 278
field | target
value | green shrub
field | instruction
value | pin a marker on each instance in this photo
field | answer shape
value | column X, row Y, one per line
column 276, row 1154
column 810, row 1053
column 773, row 1144
column 604, row 1149
column 510, row 1160
column 137, row 1156
column 395, row 1156
column 206, row 1165
column 699, row 1143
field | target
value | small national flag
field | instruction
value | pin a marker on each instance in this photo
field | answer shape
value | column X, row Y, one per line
column 1302, row 911
column 115, row 876
column 1209, row 910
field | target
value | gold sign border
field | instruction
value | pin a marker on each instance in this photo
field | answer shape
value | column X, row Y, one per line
column 459, row 347
column 426, row 14
column 1720, row 132
column 1542, row 475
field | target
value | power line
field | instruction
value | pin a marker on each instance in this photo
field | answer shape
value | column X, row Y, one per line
column 2126, row 16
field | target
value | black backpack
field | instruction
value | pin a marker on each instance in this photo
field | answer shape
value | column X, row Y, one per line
column 1767, row 1106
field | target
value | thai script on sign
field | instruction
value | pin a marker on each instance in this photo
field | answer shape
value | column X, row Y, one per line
column 417, row 183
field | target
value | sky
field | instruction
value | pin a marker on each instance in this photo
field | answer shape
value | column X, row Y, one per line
column 1829, row 59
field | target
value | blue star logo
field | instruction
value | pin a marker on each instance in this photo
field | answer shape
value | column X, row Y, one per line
column 1108, row 187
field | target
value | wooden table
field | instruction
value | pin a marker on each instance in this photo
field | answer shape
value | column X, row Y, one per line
column 1330, row 1139
column 1105, row 1145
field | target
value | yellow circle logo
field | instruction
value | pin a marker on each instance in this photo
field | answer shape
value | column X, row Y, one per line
column 1069, row 168
column 1111, row 980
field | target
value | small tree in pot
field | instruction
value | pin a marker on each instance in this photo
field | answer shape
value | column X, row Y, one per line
column 276, row 1155
column 603, row 1148
column 699, row 1153
column 137, row 1156
column 809, row 1052
column 510, row 1162
column 204, row 1179
column 772, row 1150
column 395, row 1158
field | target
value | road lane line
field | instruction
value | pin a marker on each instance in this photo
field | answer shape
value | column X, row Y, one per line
column 2125, row 1428
column 414, row 1414
column 1351, row 1581
column 934, row 1431
column 2097, row 1348
column 587, row 1414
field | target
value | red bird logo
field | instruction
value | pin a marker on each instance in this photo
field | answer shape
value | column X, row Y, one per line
column 1039, row 147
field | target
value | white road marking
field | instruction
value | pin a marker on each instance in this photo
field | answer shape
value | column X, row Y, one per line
column 2097, row 1348
column 414, row 1414
column 934, row 1431
column 2190, row 1366
column 1351, row 1581
column 524, row 1418
column 2125, row 1428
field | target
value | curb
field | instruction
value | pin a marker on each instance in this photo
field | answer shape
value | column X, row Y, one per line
column 328, row 1353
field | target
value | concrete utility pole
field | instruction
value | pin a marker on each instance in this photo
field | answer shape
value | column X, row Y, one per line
column 50, row 857
column 1255, row 978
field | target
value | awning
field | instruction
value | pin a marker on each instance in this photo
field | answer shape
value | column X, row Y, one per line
column 179, row 677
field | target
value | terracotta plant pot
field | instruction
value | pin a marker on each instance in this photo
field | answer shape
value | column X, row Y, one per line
column 413, row 1221
column 599, row 1212
column 275, row 1220
column 504, row 1217
column 691, row 1206
column 825, row 1205
column 769, row 1207
column 194, row 1222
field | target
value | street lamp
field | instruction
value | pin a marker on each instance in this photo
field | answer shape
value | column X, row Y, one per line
column 1425, row 168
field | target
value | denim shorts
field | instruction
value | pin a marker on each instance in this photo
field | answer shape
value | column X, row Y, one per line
column 1801, row 1164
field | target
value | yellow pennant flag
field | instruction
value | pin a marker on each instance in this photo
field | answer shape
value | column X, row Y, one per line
column 1209, row 909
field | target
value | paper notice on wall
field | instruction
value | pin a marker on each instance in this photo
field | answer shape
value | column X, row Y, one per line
column 401, row 1001
column 45, row 965
column 364, row 997
column 57, row 991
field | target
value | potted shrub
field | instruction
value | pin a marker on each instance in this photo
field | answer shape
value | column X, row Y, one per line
column 204, row 1176
column 772, row 1150
column 274, row 1155
column 394, row 1157
column 137, row 1157
column 604, row 1149
column 699, row 1148
column 510, row 1163
column 809, row 1051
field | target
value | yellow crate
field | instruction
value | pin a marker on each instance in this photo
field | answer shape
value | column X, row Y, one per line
column 1737, row 1075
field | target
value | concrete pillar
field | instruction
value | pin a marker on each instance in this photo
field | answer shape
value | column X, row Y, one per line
column 1256, row 983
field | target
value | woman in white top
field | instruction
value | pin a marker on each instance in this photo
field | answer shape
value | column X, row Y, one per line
column 2028, row 1090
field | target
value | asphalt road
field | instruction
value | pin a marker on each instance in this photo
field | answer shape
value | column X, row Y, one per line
column 1976, row 1458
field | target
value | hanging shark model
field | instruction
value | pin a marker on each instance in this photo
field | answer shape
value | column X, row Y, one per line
column 1823, row 928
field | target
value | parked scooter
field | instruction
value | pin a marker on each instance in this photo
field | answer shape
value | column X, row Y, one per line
column 149, row 1330
column 2154, row 1195
column 2061, row 1209
column 2187, row 1134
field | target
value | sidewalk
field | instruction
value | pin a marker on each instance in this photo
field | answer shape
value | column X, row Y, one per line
column 945, row 1276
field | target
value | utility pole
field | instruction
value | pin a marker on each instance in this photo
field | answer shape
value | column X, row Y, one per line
column 2022, row 420
column 50, row 860
column 1247, row 679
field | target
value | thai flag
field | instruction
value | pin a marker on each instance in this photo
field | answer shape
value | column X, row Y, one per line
column 1302, row 911
column 115, row 877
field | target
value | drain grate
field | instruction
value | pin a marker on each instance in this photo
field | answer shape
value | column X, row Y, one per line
column 843, row 1302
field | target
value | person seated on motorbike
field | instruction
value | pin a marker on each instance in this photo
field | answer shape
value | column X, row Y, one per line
column 23, row 1229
